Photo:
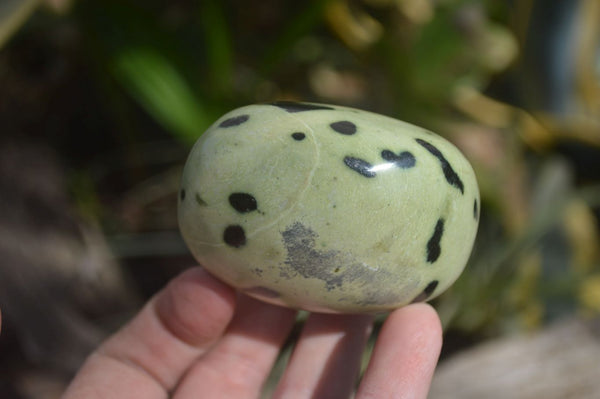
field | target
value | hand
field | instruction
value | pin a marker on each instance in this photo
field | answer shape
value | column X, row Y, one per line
column 194, row 339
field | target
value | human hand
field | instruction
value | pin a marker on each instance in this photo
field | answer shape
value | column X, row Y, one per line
column 195, row 339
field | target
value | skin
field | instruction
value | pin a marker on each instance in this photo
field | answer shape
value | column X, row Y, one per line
column 197, row 337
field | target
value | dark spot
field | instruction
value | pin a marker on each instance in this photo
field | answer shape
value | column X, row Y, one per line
column 235, row 121
column 475, row 210
column 344, row 127
column 426, row 292
column 292, row 107
column 451, row 176
column 182, row 194
column 243, row 202
column 433, row 245
column 263, row 292
column 298, row 136
column 234, row 236
column 360, row 165
column 200, row 201
column 404, row 160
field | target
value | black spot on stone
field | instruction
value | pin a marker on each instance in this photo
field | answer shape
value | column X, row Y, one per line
column 235, row 121
column 234, row 236
column 243, row 202
column 292, row 107
column 344, row 127
column 449, row 173
column 200, row 201
column 404, row 160
column 426, row 292
column 263, row 292
column 433, row 245
column 360, row 165
column 298, row 136
column 182, row 194
column 475, row 210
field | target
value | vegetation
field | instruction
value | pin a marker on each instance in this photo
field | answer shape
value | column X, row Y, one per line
column 120, row 90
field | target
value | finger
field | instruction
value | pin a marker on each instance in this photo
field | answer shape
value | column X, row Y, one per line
column 405, row 355
column 326, row 359
column 148, row 356
column 240, row 363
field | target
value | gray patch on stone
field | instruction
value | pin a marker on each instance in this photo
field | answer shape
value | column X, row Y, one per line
column 378, row 292
column 258, row 271
column 332, row 266
column 383, row 297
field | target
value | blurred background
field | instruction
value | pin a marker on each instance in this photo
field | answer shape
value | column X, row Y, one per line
column 100, row 102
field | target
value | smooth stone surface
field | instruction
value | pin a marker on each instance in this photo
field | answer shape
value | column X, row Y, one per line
column 328, row 208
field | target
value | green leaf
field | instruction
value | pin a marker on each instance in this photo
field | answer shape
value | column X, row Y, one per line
column 13, row 14
column 159, row 87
